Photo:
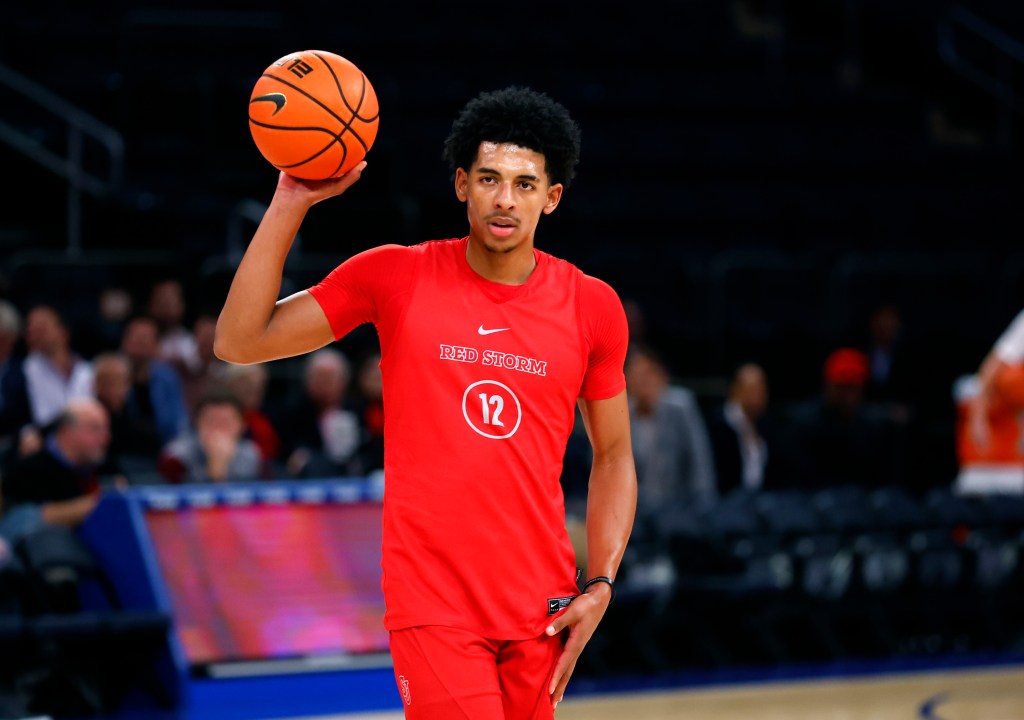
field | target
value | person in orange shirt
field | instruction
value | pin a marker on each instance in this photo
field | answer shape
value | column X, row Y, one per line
column 990, row 441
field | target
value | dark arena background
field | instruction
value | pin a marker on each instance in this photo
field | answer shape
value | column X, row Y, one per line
column 828, row 190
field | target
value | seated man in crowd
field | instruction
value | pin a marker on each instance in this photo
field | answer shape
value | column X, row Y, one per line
column 54, row 373
column 156, row 396
column 134, row 440
column 674, row 465
column 837, row 438
column 59, row 484
column 249, row 384
column 177, row 344
column 216, row 450
column 319, row 434
column 738, row 437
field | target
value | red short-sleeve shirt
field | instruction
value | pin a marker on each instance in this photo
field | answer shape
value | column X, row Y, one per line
column 480, row 386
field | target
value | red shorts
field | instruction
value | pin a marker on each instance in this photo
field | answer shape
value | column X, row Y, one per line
column 449, row 674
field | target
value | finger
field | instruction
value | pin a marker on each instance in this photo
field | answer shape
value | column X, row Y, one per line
column 564, row 661
column 352, row 175
column 570, row 616
column 563, row 683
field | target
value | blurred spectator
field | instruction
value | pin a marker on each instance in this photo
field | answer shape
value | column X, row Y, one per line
column 636, row 320
column 890, row 374
column 156, row 396
column 990, row 441
column 671, row 449
column 249, row 384
column 368, row 404
column 54, row 373
column 131, row 436
column 319, row 436
column 104, row 331
column 177, row 343
column 14, row 407
column 837, row 439
column 737, row 437
column 216, row 451
column 59, row 484
column 197, row 381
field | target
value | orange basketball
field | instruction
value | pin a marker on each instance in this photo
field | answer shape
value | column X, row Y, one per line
column 313, row 114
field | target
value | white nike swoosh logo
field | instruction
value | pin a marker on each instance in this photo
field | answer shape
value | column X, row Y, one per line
column 482, row 331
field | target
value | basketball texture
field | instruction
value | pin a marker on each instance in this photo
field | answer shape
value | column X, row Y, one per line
column 313, row 114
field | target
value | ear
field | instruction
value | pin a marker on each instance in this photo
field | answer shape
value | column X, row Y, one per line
column 461, row 183
column 554, row 196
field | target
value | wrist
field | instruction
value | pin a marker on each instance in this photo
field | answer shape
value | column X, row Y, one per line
column 291, row 203
column 601, row 584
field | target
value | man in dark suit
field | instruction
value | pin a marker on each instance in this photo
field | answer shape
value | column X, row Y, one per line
column 738, row 439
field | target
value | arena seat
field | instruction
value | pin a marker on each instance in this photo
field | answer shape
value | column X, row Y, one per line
column 790, row 514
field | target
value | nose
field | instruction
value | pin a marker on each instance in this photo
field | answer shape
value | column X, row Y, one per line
column 504, row 198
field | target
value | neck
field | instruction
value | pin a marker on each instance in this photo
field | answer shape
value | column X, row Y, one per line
column 507, row 268
column 60, row 357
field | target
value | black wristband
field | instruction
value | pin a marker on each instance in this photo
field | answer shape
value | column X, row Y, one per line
column 601, row 579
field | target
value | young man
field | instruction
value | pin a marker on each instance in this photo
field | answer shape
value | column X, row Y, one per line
column 487, row 345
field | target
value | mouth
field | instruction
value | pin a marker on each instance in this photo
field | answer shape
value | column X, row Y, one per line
column 502, row 226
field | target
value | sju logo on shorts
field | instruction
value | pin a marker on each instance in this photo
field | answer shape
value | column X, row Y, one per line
column 403, row 686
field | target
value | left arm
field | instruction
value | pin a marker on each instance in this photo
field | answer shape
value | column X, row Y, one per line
column 611, row 505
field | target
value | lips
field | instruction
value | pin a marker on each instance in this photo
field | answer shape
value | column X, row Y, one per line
column 503, row 226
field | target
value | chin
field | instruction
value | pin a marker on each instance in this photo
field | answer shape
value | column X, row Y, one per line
column 500, row 249
column 503, row 245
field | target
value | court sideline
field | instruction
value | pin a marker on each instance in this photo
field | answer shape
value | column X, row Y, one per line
column 950, row 695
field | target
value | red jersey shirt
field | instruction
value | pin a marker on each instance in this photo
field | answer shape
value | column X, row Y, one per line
column 480, row 386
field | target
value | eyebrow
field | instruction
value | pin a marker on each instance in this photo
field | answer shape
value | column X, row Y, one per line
column 489, row 171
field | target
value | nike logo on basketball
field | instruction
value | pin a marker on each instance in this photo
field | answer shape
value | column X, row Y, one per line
column 277, row 98
column 482, row 331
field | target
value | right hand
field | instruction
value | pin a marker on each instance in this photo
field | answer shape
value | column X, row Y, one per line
column 310, row 192
column 220, row 447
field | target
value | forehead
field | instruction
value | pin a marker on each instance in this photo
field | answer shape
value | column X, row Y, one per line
column 42, row 314
column 510, row 158
column 219, row 411
column 142, row 325
column 112, row 366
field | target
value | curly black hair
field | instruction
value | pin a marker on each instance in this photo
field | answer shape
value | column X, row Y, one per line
column 521, row 116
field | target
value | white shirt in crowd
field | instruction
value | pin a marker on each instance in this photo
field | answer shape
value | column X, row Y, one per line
column 49, row 389
column 753, row 449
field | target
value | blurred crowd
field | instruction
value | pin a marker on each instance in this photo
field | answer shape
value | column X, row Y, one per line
column 865, row 428
column 136, row 396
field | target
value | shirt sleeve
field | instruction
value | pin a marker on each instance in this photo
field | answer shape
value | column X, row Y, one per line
column 606, row 335
column 358, row 290
column 1010, row 346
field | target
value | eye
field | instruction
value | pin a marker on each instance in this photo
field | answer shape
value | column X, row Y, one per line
column 487, row 179
column 526, row 185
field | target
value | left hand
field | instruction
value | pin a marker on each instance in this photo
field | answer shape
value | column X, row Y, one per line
column 581, row 619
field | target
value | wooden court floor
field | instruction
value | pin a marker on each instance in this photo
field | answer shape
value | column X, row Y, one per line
column 955, row 695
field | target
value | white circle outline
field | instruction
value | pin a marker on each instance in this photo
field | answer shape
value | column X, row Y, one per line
column 507, row 389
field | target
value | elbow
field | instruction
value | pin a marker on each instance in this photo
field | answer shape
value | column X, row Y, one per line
column 222, row 351
column 227, row 348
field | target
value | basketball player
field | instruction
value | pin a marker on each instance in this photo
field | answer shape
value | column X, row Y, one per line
column 487, row 346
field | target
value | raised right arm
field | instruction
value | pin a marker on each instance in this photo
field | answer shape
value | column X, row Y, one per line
column 254, row 326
